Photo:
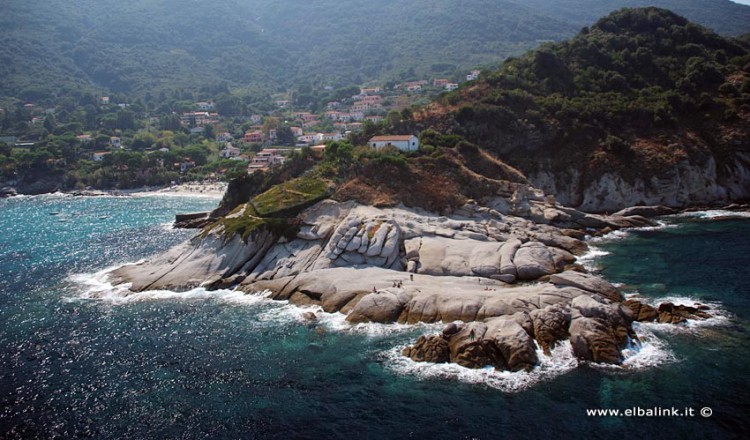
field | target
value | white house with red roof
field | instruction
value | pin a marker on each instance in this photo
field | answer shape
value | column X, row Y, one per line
column 402, row 142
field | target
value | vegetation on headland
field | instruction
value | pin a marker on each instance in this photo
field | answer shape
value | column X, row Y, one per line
column 637, row 92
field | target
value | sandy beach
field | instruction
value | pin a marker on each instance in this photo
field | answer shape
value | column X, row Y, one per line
column 192, row 189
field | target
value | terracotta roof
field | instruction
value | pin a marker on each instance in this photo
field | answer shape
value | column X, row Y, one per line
column 391, row 138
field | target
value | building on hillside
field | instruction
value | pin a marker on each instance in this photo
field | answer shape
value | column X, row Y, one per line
column 297, row 131
column 403, row 143
column 115, row 142
column 372, row 100
column 318, row 150
column 199, row 119
column 99, row 156
column 253, row 137
column 224, row 137
column 369, row 91
column 473, row 75
column 329, row 137
column 440, row 82
column 256, row 119
column 265, row 159
column 84, row 138
column 375, row 119
column 451, row 87
column 307, row 139
column 104, row 100
column 205, row 105
column 229, row 151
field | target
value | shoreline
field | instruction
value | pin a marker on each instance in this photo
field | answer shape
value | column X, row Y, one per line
column 189, row 189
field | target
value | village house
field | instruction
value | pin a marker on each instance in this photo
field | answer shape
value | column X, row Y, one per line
column 332, row 115
column 306, row 139
column 333, row 105
column 297, row 131
column 283, row 103
column 205, row 105
column 115, row 142
column 328, row 137
column 403, row 143
column 473, row 75
column 372, row 100
column 229, row 151
column 224, row 137
column 253, row 137
column 99, row 156
column 374, row 119
column 370, row 91
column 104, row 100
column 266, row 158
column 256, row 119
column 318, row 150
column 84, row 138
column 451, row 86
column 199, row 119
column 440, row 82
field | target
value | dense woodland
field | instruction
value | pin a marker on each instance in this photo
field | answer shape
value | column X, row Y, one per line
column 641, row 86
column 56, row 48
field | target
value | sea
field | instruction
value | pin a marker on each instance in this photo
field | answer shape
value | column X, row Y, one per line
column 80, row 358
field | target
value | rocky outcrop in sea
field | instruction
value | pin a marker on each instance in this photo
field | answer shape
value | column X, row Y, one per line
column 502, row 275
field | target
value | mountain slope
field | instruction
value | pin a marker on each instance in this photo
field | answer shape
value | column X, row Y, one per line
column 643, row 107
column 146, row 46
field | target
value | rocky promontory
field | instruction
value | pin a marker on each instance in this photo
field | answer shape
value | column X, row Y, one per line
column 502, row 274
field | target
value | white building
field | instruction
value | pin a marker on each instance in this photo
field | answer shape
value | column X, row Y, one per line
column 265, row 159
column 229, row 151
column 403, row 143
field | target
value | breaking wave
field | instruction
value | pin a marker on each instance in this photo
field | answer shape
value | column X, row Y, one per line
column 560, row 362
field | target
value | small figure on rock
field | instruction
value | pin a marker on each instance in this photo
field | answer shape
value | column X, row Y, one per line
column 411, row 277
column 472, row 335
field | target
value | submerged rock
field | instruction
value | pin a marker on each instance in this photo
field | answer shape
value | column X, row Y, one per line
column 676, row 314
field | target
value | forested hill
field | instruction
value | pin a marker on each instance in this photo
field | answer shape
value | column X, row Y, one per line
column 146, row 46
column 637, row 94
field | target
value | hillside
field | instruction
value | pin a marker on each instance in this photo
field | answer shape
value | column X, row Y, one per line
column 147, row 46
column 641, row 95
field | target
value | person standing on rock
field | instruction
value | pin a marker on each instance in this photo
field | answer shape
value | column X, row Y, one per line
column 472, row 335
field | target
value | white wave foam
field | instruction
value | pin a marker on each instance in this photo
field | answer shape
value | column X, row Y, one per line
column 97, row 286
column 720, row 317
column 588, row 260
column 650, row 352
column 714, row 214
column 560, row 362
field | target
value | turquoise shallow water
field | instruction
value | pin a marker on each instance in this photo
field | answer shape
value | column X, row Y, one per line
column 77, row 359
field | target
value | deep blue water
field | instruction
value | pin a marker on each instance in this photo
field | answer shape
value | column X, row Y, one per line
column 222, row 365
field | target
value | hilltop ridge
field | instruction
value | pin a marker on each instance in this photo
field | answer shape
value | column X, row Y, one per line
column 642, row 94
